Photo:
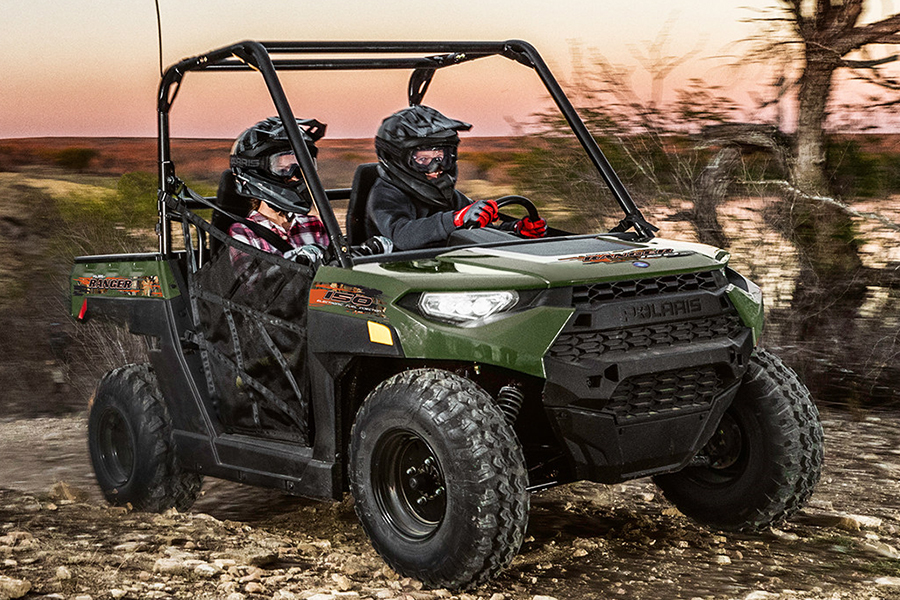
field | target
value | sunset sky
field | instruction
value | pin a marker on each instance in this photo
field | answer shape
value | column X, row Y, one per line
column 91, row 68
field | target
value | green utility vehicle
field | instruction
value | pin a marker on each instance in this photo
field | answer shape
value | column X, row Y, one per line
column 442, row 386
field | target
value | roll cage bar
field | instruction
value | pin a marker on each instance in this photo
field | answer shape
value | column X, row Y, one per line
column 269, row 57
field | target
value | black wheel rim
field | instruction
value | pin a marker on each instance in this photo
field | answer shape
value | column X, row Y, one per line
column 726, row 452
column 409, row 484
column 116, row 447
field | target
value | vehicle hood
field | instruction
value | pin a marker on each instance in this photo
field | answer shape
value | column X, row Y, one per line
column 551, row 263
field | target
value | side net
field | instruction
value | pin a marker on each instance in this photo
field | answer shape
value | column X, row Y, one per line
column 250, row 311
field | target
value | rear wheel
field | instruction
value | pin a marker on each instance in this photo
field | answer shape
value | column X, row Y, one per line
column 131, row 444
column 439, row 479
column 764, row 459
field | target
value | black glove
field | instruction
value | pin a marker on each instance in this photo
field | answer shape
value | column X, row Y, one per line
column 374, row 245
column 310, row 254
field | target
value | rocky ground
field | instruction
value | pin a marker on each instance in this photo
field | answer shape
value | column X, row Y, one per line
column 59, row 540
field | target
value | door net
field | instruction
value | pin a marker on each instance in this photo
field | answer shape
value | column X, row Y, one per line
column 250, row 311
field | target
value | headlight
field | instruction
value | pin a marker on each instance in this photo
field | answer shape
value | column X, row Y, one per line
column 463, row 307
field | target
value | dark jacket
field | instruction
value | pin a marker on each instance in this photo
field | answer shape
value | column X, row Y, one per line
column 410, row 224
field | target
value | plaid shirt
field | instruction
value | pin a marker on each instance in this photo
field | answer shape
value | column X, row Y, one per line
column 303, row 230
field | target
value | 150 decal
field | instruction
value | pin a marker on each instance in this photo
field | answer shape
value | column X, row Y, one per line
column 631, row 255
column 359, row 300
column 134, row 286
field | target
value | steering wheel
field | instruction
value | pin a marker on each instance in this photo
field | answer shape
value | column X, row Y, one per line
column 522, row 201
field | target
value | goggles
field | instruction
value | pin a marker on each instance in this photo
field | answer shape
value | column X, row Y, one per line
column 284, row 164
column 431, row 159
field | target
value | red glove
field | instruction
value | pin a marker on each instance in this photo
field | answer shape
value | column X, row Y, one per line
column 477, row 214
column 531, row 229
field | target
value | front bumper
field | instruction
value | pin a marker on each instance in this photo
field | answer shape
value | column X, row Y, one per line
column 639, row 378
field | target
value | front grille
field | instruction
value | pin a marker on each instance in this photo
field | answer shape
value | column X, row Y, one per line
column 668, row 391
column 667, row 284
column 577, row 347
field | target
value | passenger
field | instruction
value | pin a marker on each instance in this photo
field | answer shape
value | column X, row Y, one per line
column 266, row 171
column 414, row 200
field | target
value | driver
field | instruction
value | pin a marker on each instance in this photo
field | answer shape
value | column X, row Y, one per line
column 414, row 200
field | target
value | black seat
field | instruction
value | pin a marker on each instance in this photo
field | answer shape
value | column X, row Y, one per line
column 363, row 180
column 228, row 199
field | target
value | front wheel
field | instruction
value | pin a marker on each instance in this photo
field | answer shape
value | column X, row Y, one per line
column 764, row 458
column 439, row 479
column 131, row 444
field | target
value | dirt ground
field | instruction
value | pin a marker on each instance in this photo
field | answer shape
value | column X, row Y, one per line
column 60, row 540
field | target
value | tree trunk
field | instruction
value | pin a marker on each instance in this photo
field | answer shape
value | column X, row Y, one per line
column 808, row 169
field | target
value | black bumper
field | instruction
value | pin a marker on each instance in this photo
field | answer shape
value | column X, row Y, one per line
column 638, row 381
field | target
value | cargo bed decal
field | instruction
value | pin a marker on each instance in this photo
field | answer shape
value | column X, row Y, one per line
column 133, row 286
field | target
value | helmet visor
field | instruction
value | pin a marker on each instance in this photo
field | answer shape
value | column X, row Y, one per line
column 284, row 164
column 430, row 159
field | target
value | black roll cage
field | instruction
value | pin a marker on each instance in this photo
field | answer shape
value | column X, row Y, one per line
column 269, row 57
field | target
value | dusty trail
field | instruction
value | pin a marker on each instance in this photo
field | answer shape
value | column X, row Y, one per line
column 584, row 540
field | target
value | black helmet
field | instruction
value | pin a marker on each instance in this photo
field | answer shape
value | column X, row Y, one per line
column 264, row 166
column 415, row 128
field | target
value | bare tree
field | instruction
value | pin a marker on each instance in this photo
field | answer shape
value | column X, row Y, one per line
column 828, row 32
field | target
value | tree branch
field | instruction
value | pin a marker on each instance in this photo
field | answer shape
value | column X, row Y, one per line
column 789, row 187
column 868, row 64
column 881, row 32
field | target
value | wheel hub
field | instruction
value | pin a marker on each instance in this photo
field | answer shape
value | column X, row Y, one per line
column 116, row 447
column 409, row 484
column 724, row 448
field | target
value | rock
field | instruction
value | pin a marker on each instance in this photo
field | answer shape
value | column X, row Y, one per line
column 170, row 566
column 538, row 597
column 342, row 582
column 721, row 559
column 409, row 582
column 255, row 574
column 579, row 552
column 206, row 570
column 847, row 522
column 13, row 588
column 63, row 573
column 784, row 536
column 758, row 595
column 224, row 563
column 355, row 565
column 63, row 491
column 17, row 539
column 881, row 549
column 254, row 587
column 498, row 597
column 130, row 547
column 891, row 581
column 117, row 593
column 260, row 558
